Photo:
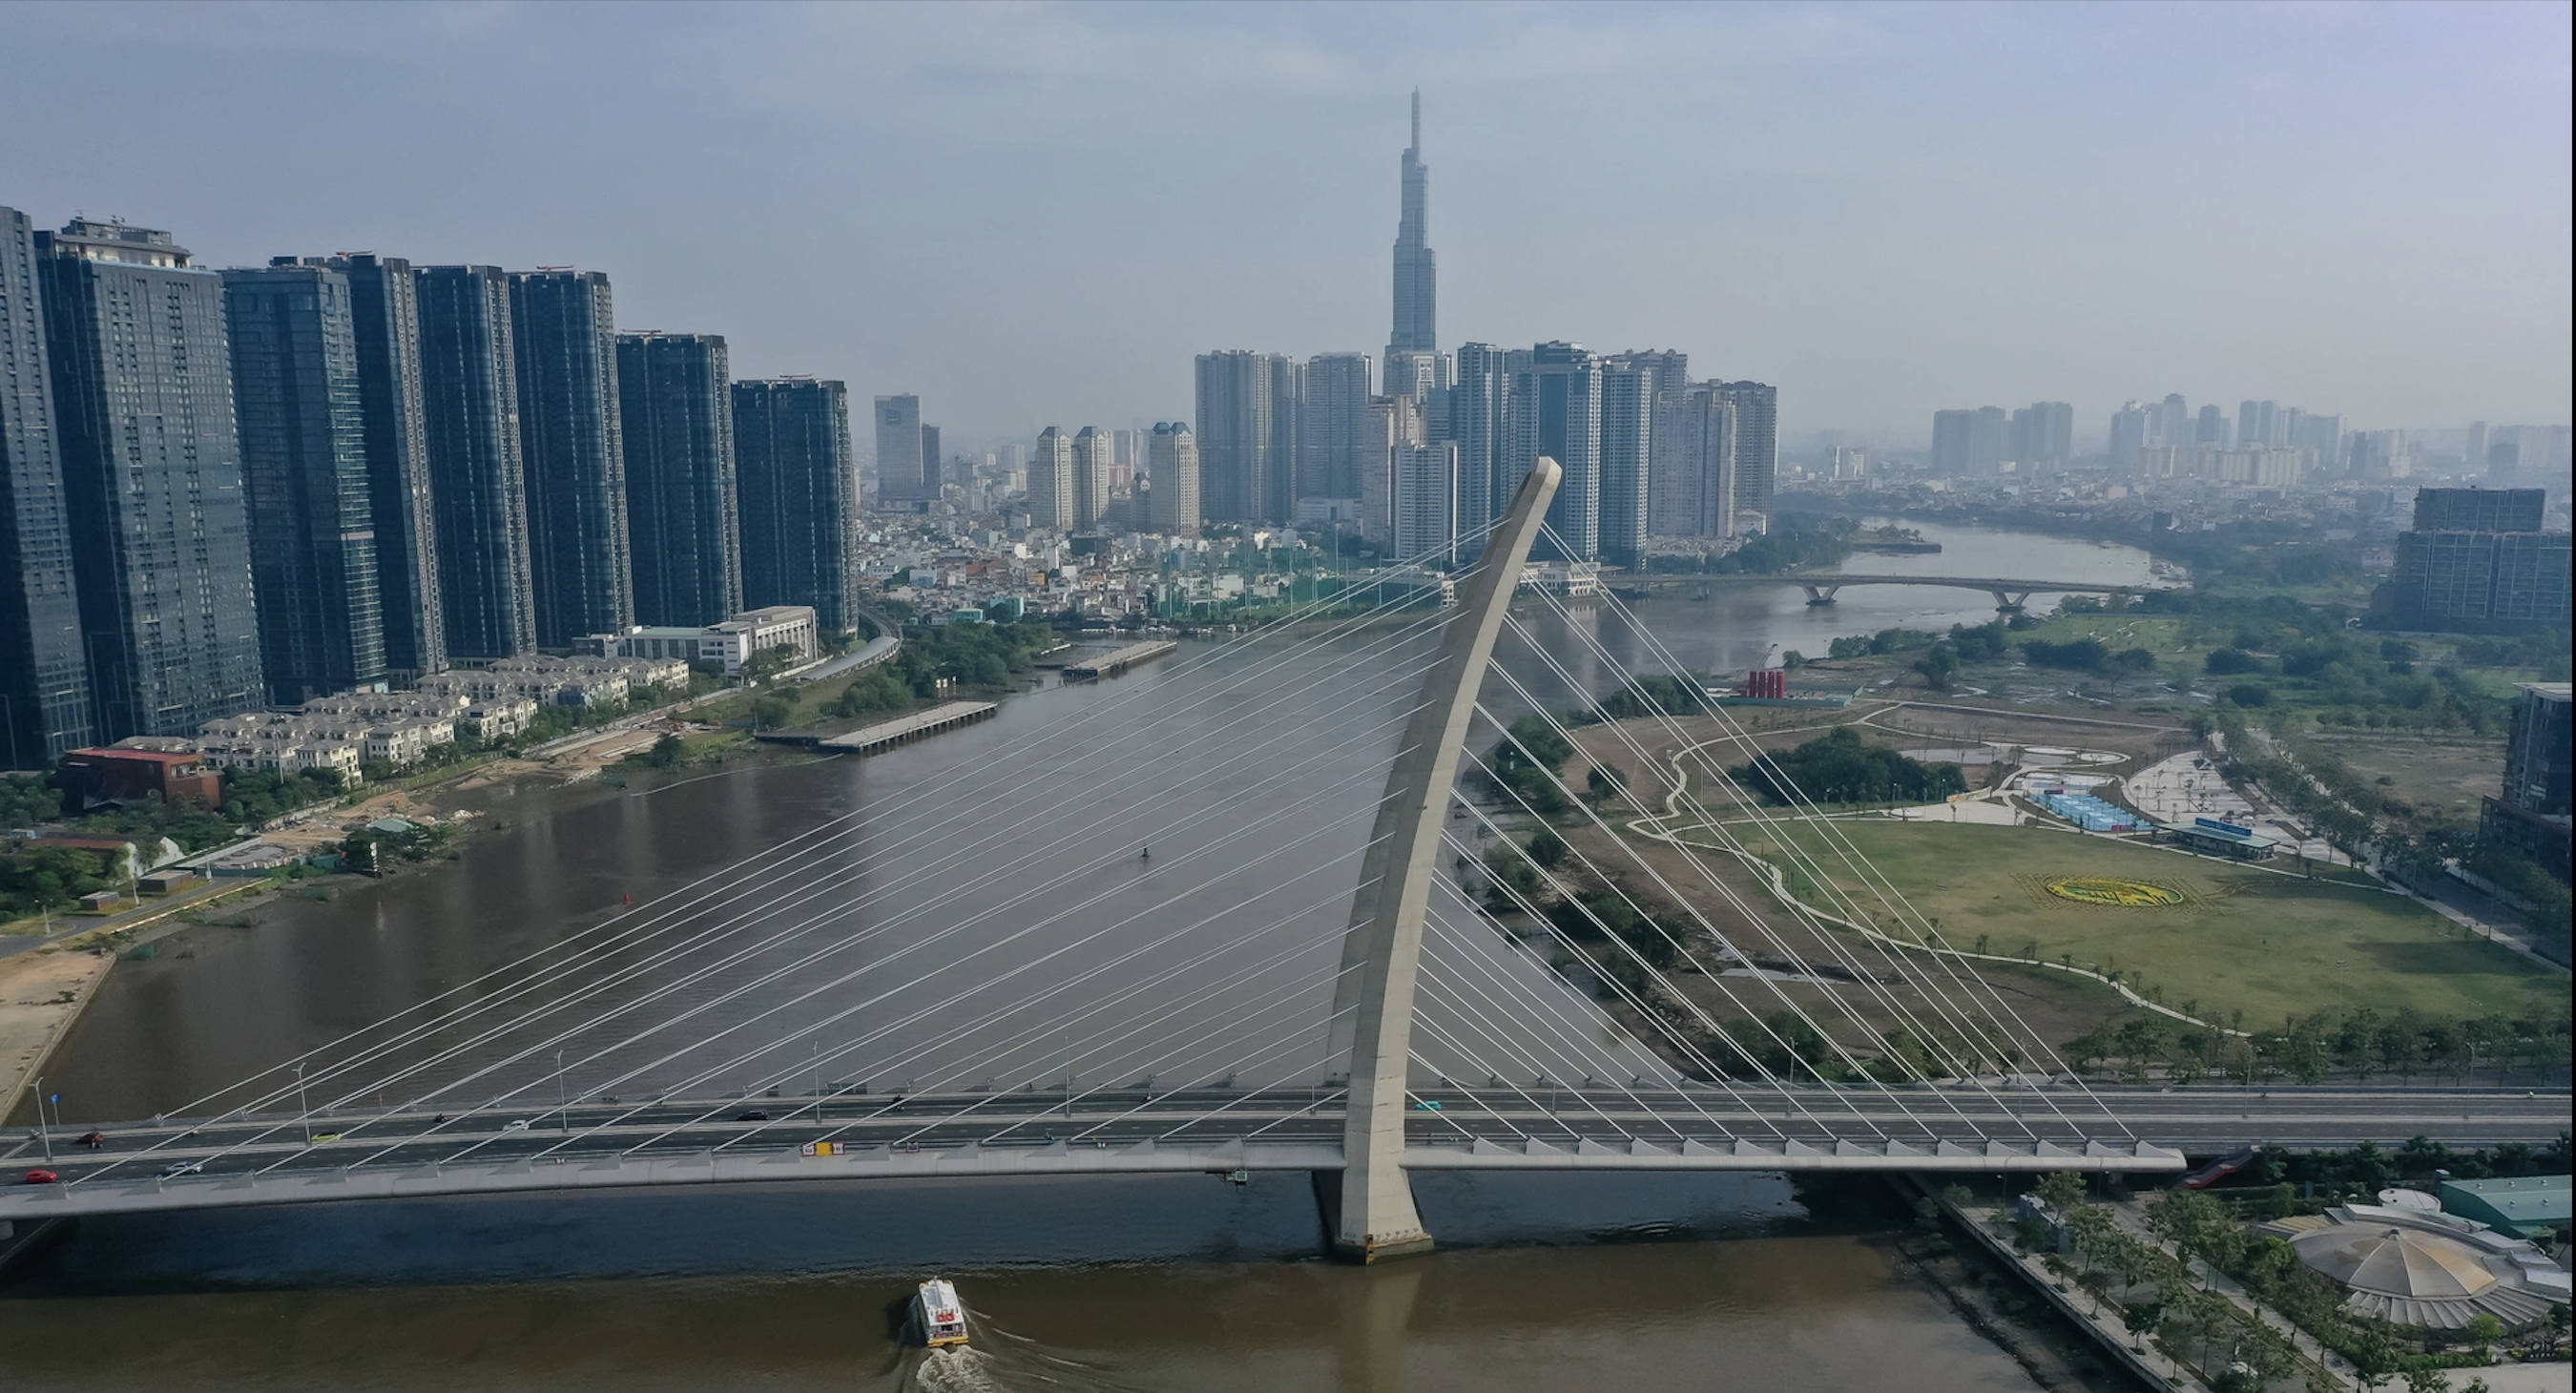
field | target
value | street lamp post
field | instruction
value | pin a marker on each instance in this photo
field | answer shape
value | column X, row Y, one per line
column 42, row 1132
column 563, row 1105
column 303, row 1105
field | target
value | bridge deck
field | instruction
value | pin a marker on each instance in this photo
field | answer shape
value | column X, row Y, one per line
column 258, row 1161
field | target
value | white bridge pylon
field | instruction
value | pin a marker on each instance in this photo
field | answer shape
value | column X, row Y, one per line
column 1374, row 1004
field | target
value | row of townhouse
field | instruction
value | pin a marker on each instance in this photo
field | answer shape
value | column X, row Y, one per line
column 576, row 681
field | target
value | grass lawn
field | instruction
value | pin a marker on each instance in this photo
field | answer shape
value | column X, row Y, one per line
column 2438, row 775
column 2245, row 940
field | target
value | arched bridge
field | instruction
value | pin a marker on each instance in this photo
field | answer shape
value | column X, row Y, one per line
column 2010, row 592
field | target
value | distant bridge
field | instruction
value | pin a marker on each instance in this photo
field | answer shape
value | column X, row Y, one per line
column 2011, row 593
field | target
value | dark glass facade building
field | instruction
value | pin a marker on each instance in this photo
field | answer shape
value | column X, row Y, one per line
column 572, row 441
column 143, row 411
column 44, row 686
column 304, row 476
column 675, row 393
column 469, row 385
column 799, row 490
column 384, row 316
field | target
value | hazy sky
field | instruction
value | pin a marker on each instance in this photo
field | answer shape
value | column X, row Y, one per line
column 1035, row 214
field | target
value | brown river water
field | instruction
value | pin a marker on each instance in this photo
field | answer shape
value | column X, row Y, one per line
column 1543, row 1282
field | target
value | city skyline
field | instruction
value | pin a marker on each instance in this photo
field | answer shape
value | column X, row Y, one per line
column 1890, row 285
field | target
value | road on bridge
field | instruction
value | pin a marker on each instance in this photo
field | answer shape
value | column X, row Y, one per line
column 267, row 1159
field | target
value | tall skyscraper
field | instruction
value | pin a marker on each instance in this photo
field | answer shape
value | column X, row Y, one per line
column 1092, row 461
column 1556, row 413
column 903, row 476
column 1172, row 465
column 1416, row 284
column 44, row 686
column 675, row 403
column 1627, row 433
column 1756, row 406
column 384, row 324
column 1051, row 481
column 799, row 489
column 143, row 413
column 2473, row 452
column 1334, row 423
column 1247, row 409
column 304, row 477
column 1425, row 524
column 574, row 444
column 1479, row 419
column 469, row 390
column 2212, row 428
column 932, row 477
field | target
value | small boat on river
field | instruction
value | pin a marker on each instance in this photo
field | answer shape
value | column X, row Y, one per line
column 938, row 1316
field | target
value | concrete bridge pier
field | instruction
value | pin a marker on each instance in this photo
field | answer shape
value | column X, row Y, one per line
column 1820, row 594
column 2010, row 601
column 1382, row 950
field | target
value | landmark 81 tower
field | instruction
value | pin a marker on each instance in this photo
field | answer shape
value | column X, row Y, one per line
column 1416, row 291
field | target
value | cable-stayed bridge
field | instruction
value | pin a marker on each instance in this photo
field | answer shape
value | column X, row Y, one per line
column 1095, row 949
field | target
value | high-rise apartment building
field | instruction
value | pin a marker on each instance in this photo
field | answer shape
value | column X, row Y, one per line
column 1092, row 460
column 152, row 479
column 1051, row 481
column 1756, row 407
column 2212, row 428
column 1172, row 467
column 1416, row 374
column 2379, row 455
column 2473, row 451
column 573, row 442
column 1424, row 528
column 2532, row 816
column 2257, row 422
column 1971, row 441
column 1247, row 433
column 2481, row 510
column 1694, row 474
column 469, row 388
column 1334, row 422
column 44, row 685
column 2457, row 565
column 1388, row 425
column 904, row 478
column 1556, row 413
column 384, row 328
column 683, row 519
column 304, row 479
column 2041, row 434
column 2129, row 431
column 798, row 484
column 1416, row 283
column 1479, row 420
column 1627, row 434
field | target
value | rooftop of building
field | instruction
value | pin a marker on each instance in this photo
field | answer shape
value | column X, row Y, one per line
column 171, row 758
column 2521, row 1199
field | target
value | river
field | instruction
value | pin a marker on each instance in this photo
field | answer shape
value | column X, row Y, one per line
column 1543, row 1282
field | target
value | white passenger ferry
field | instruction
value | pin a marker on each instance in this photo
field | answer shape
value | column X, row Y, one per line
column 939, row 1314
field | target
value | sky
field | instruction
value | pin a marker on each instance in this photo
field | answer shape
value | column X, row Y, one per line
column 1035, row 214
